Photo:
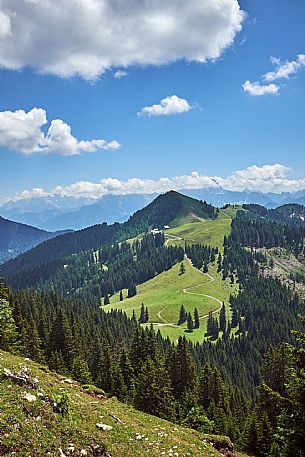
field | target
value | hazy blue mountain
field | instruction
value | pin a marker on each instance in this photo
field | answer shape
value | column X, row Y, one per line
column 110, row 209
column 57, row 213
column 17, row 238
column 37, row 211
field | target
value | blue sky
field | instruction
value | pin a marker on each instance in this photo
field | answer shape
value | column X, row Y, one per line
column 227, row 129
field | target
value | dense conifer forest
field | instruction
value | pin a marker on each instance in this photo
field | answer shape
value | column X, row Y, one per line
column 245, row 380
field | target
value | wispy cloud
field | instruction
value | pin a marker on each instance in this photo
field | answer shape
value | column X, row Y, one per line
column 21, row 131
column 267, row 178
column 169, row 105
column 119, row 74
column 283, row 70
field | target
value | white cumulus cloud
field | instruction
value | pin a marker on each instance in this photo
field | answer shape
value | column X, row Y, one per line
column 88, row 37
column 21, row 131
column 169, row 105
column 266, row 178
column 257, row 89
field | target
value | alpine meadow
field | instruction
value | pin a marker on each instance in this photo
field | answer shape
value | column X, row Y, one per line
column 152, row 228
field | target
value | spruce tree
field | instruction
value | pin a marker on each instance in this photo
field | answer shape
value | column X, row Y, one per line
column 153, row 392
column 8, row 329
column 182, row 315
column 222, row 319
column 106, row 299
column 121, row 296
column 142, row 315
column 182, row 268
column 182, row 369
column 219, row 263
column 146, row 314
column 190, row 323
column 132, row 290
column 196, row 318
column 80, row 370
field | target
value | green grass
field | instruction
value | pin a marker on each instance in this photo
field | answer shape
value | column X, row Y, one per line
column 206, row 232
column 163, row 295
column 36, row 429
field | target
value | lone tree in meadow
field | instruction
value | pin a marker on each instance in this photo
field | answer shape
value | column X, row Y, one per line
column 121, row 296
column 182, row 269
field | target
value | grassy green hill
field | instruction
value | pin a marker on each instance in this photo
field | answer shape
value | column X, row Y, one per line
column 206, row 231
column 32, row 422
column 165, row 293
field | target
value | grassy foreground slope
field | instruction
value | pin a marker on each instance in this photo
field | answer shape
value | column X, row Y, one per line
column 30, row 424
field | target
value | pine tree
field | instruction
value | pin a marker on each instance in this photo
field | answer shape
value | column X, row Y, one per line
column 121, row 296
column 190, row 323
column 153, row 392
column 57, row 363
column 61, row 339
column 132, row 290
column 182, row 268
column 80, row 370
column 106, row 299
column 210, row 324
column 8, row 329
column 182, row 369
column 196, row 318
column 33, row 348
column 219, row 263
column 222, row 318
column 104, row 375
column 205, row 267
column 182, row 315
column 142, row 315
column 146, row 314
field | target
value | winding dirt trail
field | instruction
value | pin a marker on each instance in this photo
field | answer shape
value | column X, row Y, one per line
column 187, row 291
column 211, row 279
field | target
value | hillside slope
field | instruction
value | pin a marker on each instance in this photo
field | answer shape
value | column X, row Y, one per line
column 34, row 420
column 17, row 238
column 167, row 209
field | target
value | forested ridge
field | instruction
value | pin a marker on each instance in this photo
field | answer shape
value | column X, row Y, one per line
column 16, row 238
column 43, row 261
column 93, row 275
column 245, row 380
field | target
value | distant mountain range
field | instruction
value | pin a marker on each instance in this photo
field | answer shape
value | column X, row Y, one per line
column 58, row 213
column 17, row 238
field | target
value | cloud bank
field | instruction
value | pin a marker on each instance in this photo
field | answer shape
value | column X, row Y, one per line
column 268, row 178
column 169, row 105
column 283, row 70
column 88, row 37
column 21, row 131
